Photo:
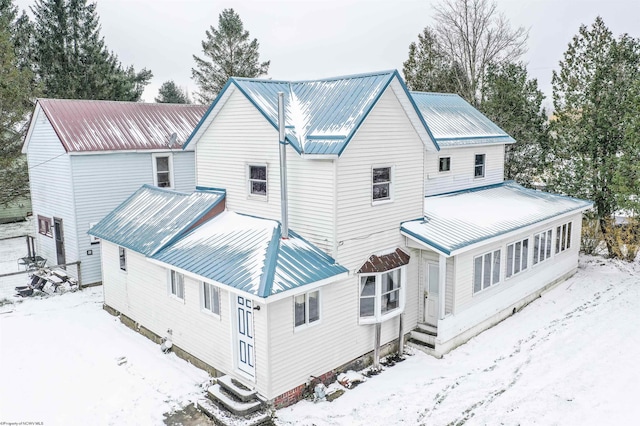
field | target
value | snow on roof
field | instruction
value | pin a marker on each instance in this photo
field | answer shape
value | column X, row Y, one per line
column 453, row 222
column 88, row 125
column 454, row 122
column 321, row 115
column 248, row 253
column 152, row 217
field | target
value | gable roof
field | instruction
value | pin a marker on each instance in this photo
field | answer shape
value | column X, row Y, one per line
column 152, row 217
column 248, row 254
column 455, row 222
column 321, row 116
column 89, row 126
column 454, row 122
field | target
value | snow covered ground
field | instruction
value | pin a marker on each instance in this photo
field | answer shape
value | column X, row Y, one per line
column 571, row 357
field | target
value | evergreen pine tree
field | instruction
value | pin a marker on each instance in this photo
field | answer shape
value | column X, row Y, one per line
column 72, row 60
column 229, row 53
column 595, row 97
column 429, row 69
column 514, row 103
column 16, row 95
column 170, row 93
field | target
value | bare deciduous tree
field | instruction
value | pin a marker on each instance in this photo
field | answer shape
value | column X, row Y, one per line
column 475, row 34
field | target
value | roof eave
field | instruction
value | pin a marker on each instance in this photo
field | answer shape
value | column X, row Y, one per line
column 305, row 288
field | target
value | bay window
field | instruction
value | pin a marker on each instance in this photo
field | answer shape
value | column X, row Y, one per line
column 381, row 295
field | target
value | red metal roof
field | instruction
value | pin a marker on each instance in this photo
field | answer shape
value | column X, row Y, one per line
column 86, row 125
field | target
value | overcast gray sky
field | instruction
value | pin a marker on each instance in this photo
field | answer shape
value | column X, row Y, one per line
column 317, row 39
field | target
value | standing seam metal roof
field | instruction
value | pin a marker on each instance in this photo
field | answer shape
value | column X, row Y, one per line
column 152, row 217
column 88, row 125
column 248, row 254
column 321, row 115
column 454, row 221
column 454, row 122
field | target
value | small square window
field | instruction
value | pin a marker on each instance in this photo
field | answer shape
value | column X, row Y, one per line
column 381, row 181
column 307, row 308
column 445, row 164
column 44, row 226
column 258, row 180
column 479, row 166
column 122, row 254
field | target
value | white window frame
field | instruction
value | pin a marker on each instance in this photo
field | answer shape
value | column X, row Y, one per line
column 513, row 263
column 378, row 316
column 155, row 169
column 175, row 284
column 493, row 273
column 483, row 165
column 214, row 308
column 250, row 181
column 389, row 198
column 540, row 253
column 563, row 237
column 448, row 158
column 122, row 258
column 307, row 322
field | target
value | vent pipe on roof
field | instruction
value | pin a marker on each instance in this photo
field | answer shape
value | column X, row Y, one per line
column 283, row 167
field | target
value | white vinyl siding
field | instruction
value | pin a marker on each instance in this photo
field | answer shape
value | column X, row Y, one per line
column 240, row 135
column 140, row 295
column 385, row 138
column 125, row 174
column 52, row 193
column 462, row 168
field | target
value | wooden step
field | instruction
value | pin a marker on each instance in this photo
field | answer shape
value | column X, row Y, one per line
column 427, row 329
column 227, row 400
column 239, row 390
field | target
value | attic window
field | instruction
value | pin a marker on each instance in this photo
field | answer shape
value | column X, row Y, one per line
column 163, row 170
column 258, row 180
column 445, row 164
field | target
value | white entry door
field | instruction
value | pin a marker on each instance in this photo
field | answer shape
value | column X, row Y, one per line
column 245, row 354
column 431, row 295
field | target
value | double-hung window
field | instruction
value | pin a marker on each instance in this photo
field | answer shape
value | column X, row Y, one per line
column 122, row 254
column 541, row 246
column 486, row 270
column 563, row 237
column 478, row 171
column 163, row 170
column 381, row 183
column 381, row 295
column 444, row 164
column 517, row 257
column 307, row 308
column 176, row 284
column 258, row 180
column 211, row 298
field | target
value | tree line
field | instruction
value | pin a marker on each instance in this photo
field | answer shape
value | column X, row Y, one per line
column 587, row 148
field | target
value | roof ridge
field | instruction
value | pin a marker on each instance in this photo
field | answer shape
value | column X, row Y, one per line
column 336, row 78
column 418, row 92
column 96, row 101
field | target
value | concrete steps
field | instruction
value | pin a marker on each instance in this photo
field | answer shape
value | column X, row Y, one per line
column 229, row 402
column 423, row 338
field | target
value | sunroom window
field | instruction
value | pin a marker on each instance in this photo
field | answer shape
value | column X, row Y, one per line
column 563, row 237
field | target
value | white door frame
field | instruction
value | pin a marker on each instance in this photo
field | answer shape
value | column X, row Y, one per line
column 244, row 354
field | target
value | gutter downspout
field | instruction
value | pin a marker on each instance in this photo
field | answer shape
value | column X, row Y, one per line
column 284, row 201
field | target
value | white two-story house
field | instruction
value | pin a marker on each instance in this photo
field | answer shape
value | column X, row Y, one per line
column 87, row 157
column 400, row 223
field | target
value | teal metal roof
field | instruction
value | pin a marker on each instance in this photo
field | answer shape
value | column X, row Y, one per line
column 321, row 115
column 455, row 221
column 248, row 253
column 454, row 122
column 152, row 217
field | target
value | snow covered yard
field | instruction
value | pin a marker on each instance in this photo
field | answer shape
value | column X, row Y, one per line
column 569, row 358
column 61, row 363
